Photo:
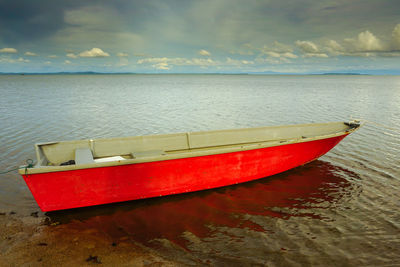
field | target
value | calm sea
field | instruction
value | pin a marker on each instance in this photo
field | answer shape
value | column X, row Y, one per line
column 343, row 209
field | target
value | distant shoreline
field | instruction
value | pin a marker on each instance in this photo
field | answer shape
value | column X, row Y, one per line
column 155, row 73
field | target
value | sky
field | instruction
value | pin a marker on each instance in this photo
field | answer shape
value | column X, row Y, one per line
column 200, row 36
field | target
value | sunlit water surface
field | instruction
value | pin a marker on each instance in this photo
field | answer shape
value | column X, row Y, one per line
column 343, row 209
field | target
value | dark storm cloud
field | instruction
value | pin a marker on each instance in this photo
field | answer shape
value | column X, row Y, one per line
column 22, row 20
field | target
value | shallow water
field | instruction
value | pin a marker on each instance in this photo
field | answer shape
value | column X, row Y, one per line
column 343, row 209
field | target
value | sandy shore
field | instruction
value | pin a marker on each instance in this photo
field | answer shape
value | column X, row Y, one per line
column 34, row 241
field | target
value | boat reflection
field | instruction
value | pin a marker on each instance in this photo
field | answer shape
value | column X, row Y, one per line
column 303, row 191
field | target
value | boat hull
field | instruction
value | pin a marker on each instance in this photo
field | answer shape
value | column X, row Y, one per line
column 102, row 185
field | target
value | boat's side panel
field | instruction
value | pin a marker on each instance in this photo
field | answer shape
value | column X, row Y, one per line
column 87, row 187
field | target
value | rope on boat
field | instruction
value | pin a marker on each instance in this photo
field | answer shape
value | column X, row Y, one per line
column 29, row 163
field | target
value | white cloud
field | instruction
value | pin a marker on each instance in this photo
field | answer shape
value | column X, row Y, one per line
column 162, row 66
column 23, row 60
column 334, row 47
column 307, row 46
column 365, row 42
column 67, row 62
column 238, row 63
column 310, row 49
column 289, row 55
column 278, row 52
column 31, row 54
column 8, row 50
column 276, row 47
column 205, row 53
column 122, row 54
column 94, row 52
column 155, row 60
column 164, row 63
column 396, row 38
column 246, row 62
column 52, row 56
column 72, row 55
column 273, row 54
column 321, row 55
column 202, row 62
column 47, row 62
column 7, row 60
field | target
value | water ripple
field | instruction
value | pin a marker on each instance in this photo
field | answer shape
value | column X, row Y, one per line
column 341, row 210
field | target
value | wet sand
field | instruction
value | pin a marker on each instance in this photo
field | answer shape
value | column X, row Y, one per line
column 34, row 241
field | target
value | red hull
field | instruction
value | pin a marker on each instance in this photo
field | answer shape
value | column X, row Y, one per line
column 88, row 187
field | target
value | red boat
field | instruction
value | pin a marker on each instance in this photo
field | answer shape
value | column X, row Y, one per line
column 73, row 174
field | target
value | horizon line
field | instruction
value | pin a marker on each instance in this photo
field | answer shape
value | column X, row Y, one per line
column 192, row 73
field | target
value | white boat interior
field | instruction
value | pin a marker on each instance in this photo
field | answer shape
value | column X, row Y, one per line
column 69, row 155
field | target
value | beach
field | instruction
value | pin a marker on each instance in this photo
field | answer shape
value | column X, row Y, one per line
column 30, row 241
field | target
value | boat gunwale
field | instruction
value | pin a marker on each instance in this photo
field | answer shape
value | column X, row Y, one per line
column 193, row 152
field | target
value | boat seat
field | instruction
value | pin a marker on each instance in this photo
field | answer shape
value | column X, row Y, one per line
column 83, row 156
column 148, row 154
column 109, row 159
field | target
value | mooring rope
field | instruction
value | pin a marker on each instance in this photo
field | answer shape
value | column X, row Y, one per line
column 29, row 163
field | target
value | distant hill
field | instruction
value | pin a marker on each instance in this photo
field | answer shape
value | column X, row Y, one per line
column 342, row 73
column 63, row 73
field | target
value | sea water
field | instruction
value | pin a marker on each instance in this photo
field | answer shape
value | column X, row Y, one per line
column 343, row 209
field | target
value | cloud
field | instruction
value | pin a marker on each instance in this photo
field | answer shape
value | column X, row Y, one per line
column 8, row 50
column 203, row 52
column 31, row 54
column 94, row 52
column 238, row 63
column 365, row 42
column 72, row 55
column 307, row 46
column 67, row 62
column 122, row 54
column 162, row 66
column 333, row 47
column 310, row 49
column 52, row 56
column 277, row 47
column 281, row 55
column 202, row 62
column 278, row 51
column 164, row 63
column 395, row 42
column 23, row 60
column 289, row 55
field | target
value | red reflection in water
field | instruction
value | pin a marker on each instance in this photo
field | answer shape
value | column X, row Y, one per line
column 315, row 185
